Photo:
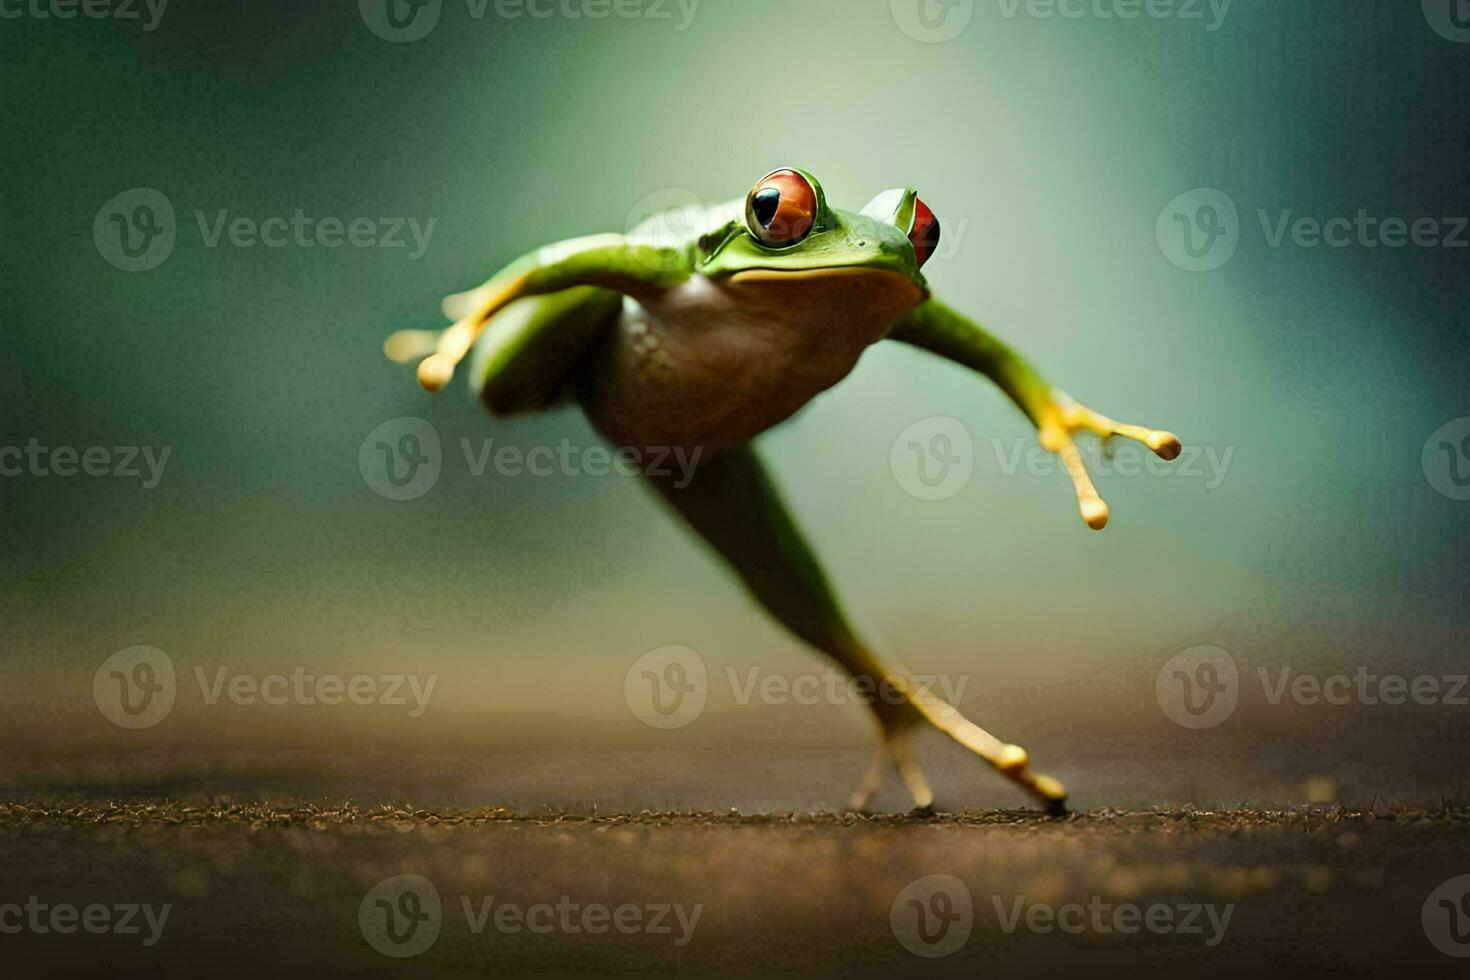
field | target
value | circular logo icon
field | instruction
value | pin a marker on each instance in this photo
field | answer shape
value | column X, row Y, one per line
column 669, row 218
column 1199, row 230
column 1446, row 459
column 400, row 21
column 135, row 688
column 401, row 916
column 667, row 688
column 932, row 21
column 135, row 230
column 401, row 459
column 932, row 917
column 1446, row 917
column 1199, row 687
column 933, row 459
column 1449, row 18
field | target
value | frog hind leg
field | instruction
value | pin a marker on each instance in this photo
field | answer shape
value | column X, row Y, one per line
column 731, row 503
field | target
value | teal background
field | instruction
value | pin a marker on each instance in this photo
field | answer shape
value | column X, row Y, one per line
column 1047, row 146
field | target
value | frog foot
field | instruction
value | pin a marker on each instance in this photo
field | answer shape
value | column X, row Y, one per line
column 894, row 749
column 1063, row 418
column 407, row 346
column 1011, row 761
column 441, row 350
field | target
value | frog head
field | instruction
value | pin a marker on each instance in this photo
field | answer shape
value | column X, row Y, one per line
column 788, row 228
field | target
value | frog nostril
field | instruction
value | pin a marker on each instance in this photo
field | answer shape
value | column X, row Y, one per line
column 766, row 204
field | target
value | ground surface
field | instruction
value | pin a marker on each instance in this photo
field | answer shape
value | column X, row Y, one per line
column 288, row 889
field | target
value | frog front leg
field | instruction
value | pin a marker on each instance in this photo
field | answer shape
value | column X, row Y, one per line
column 1057, row 417
column 610, row 262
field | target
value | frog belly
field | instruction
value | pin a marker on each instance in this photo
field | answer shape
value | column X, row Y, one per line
column 710, row 365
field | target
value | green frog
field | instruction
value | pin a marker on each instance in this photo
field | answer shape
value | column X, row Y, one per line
column 703, row 341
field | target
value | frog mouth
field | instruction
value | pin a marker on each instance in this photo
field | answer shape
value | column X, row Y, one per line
column 854, row 277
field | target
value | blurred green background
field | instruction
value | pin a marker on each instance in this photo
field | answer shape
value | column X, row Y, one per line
column 1049, row 146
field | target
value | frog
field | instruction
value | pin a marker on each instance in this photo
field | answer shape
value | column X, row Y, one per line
column 705, row 327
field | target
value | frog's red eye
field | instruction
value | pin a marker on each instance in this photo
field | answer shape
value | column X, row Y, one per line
column 781, row 209
column 924, row 235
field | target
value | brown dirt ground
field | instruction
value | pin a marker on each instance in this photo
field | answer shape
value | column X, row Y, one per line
column 275, row 889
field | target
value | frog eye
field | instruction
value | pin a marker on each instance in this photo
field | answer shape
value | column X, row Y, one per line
column 781, row 209
column 924, row 235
